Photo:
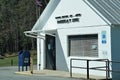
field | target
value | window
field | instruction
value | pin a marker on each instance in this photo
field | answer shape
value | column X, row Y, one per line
column 83, row 45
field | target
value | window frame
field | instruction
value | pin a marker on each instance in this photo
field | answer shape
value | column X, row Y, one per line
column 68, row 39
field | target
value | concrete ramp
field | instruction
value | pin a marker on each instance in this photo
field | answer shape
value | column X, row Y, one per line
column 59, row 74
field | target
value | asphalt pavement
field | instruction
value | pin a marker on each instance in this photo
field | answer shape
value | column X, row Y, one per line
column 8, row 73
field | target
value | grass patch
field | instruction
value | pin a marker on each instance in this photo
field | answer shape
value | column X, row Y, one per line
column 13, row 61
column 7, row 61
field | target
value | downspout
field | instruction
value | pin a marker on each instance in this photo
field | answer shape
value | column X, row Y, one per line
column 33, row 35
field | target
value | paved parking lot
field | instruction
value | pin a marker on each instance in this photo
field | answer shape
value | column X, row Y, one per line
column 8, row 73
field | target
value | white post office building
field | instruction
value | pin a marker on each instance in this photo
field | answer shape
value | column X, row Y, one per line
column 79, row 29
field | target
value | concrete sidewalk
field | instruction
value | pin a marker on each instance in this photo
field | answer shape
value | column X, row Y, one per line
column 58, row 74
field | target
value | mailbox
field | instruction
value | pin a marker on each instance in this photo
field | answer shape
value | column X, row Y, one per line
column 23, row 59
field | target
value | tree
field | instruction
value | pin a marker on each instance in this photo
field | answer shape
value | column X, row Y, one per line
column 17, row 16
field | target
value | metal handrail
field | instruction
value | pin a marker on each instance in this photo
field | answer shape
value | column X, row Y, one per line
column 95, row 68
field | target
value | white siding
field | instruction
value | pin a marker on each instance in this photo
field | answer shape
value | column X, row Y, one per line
column 62, row 48
column 71, row 7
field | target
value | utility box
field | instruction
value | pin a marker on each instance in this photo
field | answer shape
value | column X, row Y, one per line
column 23, row 59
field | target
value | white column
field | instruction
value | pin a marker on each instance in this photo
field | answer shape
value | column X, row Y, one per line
column 42, row 54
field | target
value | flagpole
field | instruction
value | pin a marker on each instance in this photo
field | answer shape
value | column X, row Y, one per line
column 38, row 8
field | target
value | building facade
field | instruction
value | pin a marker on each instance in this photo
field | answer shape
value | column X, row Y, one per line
column 80, row 29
